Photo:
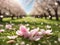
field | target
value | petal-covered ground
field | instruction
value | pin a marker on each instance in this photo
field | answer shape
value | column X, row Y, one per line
column 29, row 31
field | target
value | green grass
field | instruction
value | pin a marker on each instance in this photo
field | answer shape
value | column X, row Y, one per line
column 33, row 23
column 31, row 19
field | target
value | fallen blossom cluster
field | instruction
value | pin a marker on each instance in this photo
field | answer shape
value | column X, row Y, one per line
column 34, row 34
column 1, row 30
column 8, row 26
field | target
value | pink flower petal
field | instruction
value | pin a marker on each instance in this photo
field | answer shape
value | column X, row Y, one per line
column 48, row 32
column 23, row 28
column 19, row 33
column 1, row 30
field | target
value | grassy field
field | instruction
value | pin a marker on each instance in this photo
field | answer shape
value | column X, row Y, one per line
column 32, row 23
column 38, row 22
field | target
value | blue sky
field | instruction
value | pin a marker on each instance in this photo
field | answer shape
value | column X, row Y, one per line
column 26, row 7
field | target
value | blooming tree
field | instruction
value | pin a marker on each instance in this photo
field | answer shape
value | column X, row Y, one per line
column 47, row 8
column 11, row 8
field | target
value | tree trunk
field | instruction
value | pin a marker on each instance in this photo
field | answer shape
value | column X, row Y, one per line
column 1, row 19
column 56, row 13
column 45, row 16
column 12, row 17
column 41, row 16
column 21, row 16
column 50, row 14
column 17, row 17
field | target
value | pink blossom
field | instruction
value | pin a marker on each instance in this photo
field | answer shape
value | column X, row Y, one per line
column 42, row 31
column 8, row 26
column 36, row 38
column 23, row 31
column 23, row 28
column 19, row 33
column 1, row 30
column 33, row 32
column 34, row 35
column 48, row 32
